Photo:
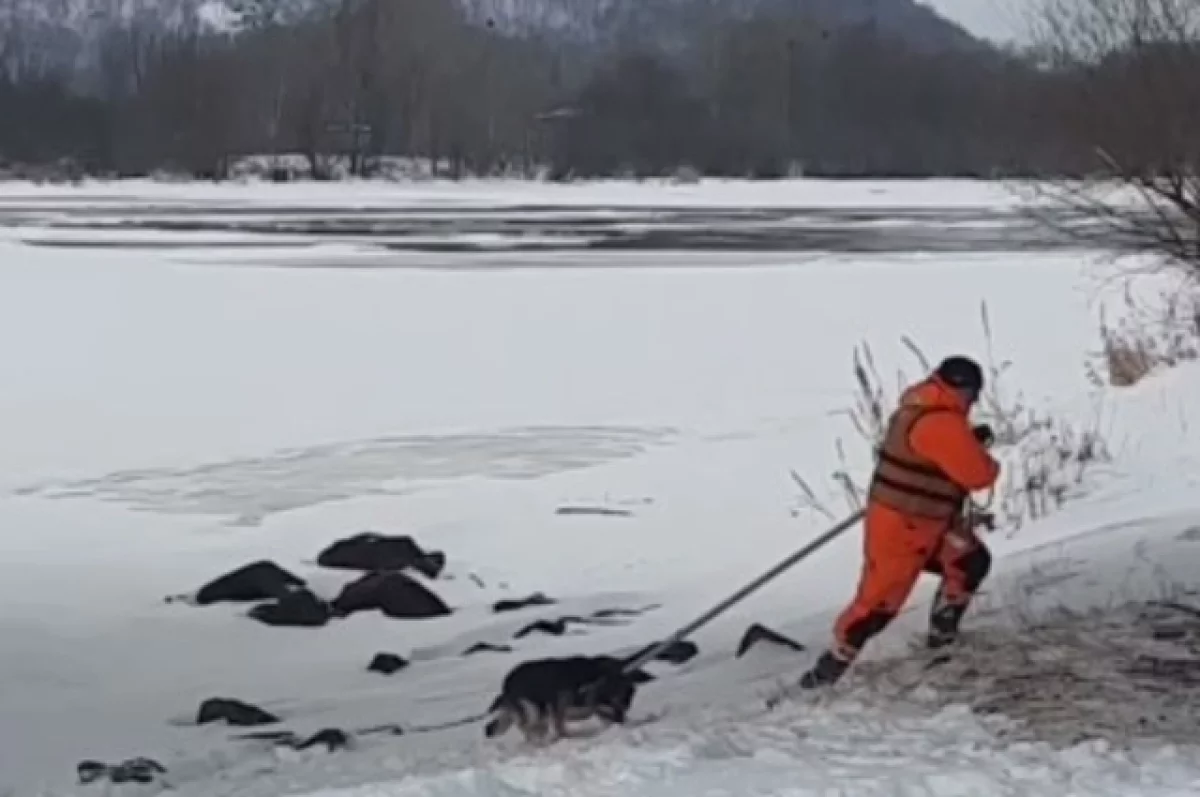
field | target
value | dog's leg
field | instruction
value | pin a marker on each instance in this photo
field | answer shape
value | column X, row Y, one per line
column 559, row 715
column 537, row 721
column 529, row 722
column 540, row 731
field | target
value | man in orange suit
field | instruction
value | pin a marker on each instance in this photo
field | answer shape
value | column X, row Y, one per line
column 930, row 460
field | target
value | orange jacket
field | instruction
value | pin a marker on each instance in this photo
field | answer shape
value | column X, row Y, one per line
column 946, row 438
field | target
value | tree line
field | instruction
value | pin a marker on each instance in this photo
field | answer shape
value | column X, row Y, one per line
column 767, row 96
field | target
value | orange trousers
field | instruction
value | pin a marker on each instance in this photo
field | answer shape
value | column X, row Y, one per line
column 896, row 549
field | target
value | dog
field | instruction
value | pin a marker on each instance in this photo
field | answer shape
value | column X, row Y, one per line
column 542, row 695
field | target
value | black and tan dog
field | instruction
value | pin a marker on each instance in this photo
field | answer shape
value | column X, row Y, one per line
column 542, row 695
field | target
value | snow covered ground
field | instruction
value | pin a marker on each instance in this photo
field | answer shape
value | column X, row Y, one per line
column 164, row 420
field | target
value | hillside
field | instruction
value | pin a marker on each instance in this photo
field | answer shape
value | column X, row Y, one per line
column 664, row 20
column 51, row 32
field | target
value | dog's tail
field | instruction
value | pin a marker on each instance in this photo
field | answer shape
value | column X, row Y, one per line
column 503, row 715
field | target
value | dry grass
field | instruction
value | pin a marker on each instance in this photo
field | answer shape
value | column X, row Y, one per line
column 1045, row 458
column 1122, row 674
column 1147, row 338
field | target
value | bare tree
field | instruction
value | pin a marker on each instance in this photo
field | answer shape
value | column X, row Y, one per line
column 729, row 89
column 1127, row 75
column 268, row 25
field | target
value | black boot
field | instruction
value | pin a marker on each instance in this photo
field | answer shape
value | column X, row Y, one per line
column 944, row 620
column 826, row 672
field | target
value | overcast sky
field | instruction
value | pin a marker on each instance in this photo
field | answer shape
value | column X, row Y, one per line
column 999, row 20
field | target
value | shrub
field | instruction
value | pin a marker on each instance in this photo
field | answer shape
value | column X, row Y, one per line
column 1150, row 335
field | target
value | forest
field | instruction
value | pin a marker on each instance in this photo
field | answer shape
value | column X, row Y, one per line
column 768, row 93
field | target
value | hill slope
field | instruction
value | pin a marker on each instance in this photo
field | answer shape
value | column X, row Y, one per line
column 665, row 21
column 68, row 31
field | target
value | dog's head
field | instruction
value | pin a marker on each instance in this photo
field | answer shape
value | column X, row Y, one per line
column 612, row 695
column 496, row 727
column 613, row 699
column 640, row 677
column 613, row 666
column 502, row 718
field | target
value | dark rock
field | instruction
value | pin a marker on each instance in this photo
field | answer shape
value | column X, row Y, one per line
column 606, row 617
column 134, row 770
column 553, row 627
column 387, row 663
column 91, row 771
column 257, row 581
column 680, row 652
column 610, row 613
column 432, row 565
column 373, row 552
column 333, row 738
column 604, row 614
column 390, row 729
column 234, row 712
column 536, row 599
column 760, row 633
column 394, row 594
column 282, row 737
column 486, row 647
column 299, row 609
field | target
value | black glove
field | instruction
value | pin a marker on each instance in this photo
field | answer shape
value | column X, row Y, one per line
column 979, row 518
column 984, row 434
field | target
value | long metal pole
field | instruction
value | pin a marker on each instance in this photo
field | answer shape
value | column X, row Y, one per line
column 652, row 651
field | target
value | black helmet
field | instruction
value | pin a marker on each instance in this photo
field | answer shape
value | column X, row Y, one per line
column 962, row 373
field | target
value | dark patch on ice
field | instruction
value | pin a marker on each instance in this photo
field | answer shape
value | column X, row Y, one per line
column 332, row 739
column 133, row 770
column 486, row 647
column 598, row 511
column 387, row 663
column 168, row 245
column 556, row 627
column 604, row 614
column 757, row 633
column 535, row 228
column 233, row 712
column 536, row 599
column 250, row 489
column 562, row 625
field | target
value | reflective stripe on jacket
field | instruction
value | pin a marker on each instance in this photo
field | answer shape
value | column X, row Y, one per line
column 929, row 460
column 907, row 482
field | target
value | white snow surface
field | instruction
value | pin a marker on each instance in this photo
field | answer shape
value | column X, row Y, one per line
column 164, row 420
